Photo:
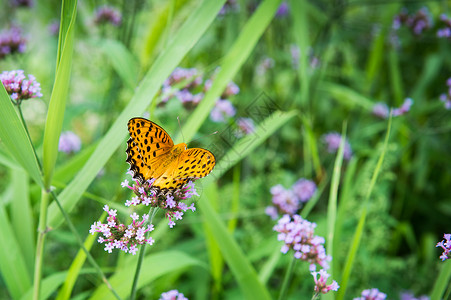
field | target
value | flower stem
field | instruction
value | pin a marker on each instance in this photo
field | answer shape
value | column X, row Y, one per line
column 142, row 251
column 28, row 134
column 42, row 229
column 287, row 279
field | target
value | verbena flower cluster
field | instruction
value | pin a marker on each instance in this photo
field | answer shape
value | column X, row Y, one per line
column 408, row 295
column 382, row 111
column 296, row 54
column 321, row 285
column 283, row 10
column 189, row 87
column 417, row 23
column 69, row 142
column 122, row 237
column 21, row 3
column 173, row 295
column 127, row 237
column 289, row 201
column 107, row 14
column 371, row 294
column 446, row 246
column 19, row 87
column 445, row 32
column 11, row 41
column 446, row 97
column 333, row 140
column 299, row 234
column 245, row 126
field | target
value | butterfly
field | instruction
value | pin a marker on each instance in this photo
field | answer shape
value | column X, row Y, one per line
column 152, row 154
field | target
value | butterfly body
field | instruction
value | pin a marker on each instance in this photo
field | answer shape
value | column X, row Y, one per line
column 152, row 155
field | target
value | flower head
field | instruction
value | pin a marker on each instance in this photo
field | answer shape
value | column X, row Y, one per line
column 298, row 234
column 173, row 295
column 19, row 87
column 321, row 285
column 223, row 110
column 408, row 295
column 333, row 140
column 381, row 110
column 183, row 84
column 446, row 98
column 69, row 142
column 304, row 189
column 283, row 10
column 372, row 294
column 417, row 23
column 107, row 14
column 404, row 108
column 245, row 126
column 446, row 246
column 21, row 3
column 11, row 42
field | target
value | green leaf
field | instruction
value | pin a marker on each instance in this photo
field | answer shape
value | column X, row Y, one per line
column 15, row 138
column 57, row 104
column 124, row 63
column 183, row 41
column 154, row 266
column 12, row 263
column 232, row 62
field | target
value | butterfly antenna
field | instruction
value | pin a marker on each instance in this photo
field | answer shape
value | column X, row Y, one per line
column 180, row 126
column 203, row 137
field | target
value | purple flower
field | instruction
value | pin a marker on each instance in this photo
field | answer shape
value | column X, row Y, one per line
column 381, row 110
column 69, row 142
column 54, row 27
column 446, row 98
column 333, row 140
column 264, row 65
column 446, row 31
column 446, row 246
column 405, row 107
column 173, row 295
column 107, row 14
column 417, row 23
column 19, row 87
column 371, row 294
column 245, row 126
column 408, row 295
column 21, row 3
column 285, row 200
column 120, row 236
column 321, row 285
column 283, row 10
column 298, row 234
column 304, row 189
column 11, row 41
column 183, row 84
column 223, row 110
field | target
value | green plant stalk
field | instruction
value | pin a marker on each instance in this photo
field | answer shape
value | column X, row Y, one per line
column 142, row 253
column 42, row 229
column 286, row 280
column 442, row 281
column 28, row 134
column 359, row 230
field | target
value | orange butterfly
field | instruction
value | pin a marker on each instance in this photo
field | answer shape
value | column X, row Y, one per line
column 152, row 154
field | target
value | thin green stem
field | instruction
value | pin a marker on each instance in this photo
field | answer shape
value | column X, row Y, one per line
column 42, row 230
column 286, row 280
column 142, row 252
column 82, row 246
column 28, row 134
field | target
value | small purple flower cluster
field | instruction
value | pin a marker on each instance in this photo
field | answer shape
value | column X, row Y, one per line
column 296, row 54
column 170, row 202
column 245, row 126
column 371, row 294
column 283, row 10
column 11, row 41
column 264, row 65
column 222, row 111
column 445, row 32
column 321, row 285
column 382, row 111
column 173, row 295
column 19, row 87
column 120, row 236
column 446, row 98
column 69, row 142
column 107, row 14
column 22, row 3
column 408, row 295
column 289, row 201
column 446, row 246
column 298, row 234
column 417, row 22
column 333, row 140
column 182, row 84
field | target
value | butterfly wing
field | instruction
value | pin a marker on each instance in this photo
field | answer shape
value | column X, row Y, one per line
column 192, row 164
column 148, row 145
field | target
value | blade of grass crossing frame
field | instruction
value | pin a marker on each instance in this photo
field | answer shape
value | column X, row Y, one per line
column 57, row 104
column 13, row 266
column 183, row 41
column 15, row 138
column 231, row 63
column 359, row 230
column 22, row 216
column 332, row 204
column 442, row 281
